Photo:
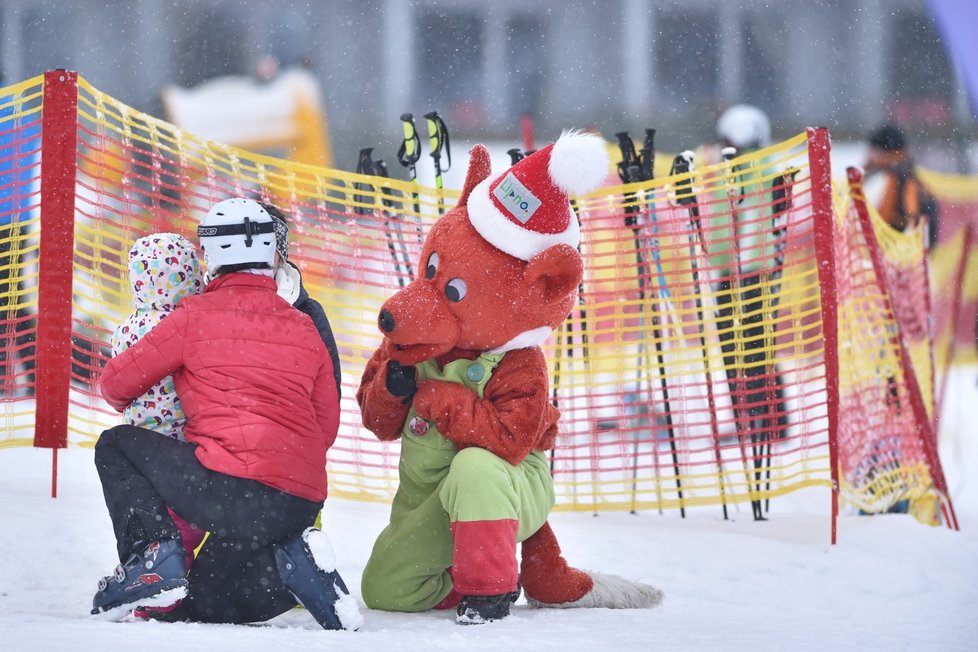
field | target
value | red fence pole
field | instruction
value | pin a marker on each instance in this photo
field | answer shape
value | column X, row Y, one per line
column 53, row 368
column 819, row 152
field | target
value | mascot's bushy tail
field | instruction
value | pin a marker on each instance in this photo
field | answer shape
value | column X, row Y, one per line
column 550, row 582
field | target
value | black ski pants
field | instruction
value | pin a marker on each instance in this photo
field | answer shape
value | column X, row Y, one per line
column 233, row 579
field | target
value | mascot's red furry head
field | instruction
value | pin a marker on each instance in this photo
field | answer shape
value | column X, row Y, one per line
column 501, row 269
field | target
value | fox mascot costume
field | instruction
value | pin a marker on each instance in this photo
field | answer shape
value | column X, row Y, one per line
column 460, row 378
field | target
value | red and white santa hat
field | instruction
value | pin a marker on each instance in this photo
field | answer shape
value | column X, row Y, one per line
column 526, row 209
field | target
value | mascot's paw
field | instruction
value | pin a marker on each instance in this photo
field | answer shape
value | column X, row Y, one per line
column 609, row 592
column 401, row 380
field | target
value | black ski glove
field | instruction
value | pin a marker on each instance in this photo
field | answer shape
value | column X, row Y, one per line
column 402, row 380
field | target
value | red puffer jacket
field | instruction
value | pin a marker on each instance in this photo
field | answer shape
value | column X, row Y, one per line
column 254, row 378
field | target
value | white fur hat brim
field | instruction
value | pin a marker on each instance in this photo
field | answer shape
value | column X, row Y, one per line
column 509, row 237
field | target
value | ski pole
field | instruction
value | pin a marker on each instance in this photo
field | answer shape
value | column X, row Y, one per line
column 782, row 199
column 367, row 166
column 567, row 329
column 646, row 157
column 438, row 140
column 629, row 171
column 407, row 155
column 380, row 170
column 647, row 165
column 683, row 164
column 742, row 420
column 647, row 162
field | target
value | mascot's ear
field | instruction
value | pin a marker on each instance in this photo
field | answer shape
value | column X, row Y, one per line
column 558, row 268
column 479, row 170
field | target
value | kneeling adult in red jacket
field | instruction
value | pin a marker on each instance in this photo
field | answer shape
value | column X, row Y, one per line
column 262, row 408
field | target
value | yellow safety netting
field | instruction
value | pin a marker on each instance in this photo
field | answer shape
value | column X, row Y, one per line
column 691, row 374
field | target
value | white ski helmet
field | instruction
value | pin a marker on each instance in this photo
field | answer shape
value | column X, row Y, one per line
column 237, row 232
column 745, row 127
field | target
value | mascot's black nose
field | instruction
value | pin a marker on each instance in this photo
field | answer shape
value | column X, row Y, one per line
column 386, row 321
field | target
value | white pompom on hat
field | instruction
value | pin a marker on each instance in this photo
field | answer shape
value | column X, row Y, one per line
column 526, row 209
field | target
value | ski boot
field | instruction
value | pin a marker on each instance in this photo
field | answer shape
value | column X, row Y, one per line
column 307, row 565
column 479, row 609
column 155, row 576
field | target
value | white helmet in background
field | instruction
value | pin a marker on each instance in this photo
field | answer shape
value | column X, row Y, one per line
column 745, row 127
column 237, row 233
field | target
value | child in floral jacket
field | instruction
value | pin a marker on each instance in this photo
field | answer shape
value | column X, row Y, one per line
column 163, row 269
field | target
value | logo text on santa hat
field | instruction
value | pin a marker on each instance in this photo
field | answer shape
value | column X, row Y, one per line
column 516, row 199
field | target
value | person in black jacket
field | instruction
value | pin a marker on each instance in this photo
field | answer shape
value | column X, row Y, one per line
column 291, row 289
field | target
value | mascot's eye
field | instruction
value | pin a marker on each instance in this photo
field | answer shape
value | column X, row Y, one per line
column 455, row 290
column 432, row 267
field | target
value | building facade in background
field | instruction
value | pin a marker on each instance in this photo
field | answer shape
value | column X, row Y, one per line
column 608, row 64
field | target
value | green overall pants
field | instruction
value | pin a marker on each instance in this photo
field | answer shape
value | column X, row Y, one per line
column 443, row 489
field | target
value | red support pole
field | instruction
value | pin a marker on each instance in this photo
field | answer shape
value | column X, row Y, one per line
column 53, row 371
column 819, row 151
column 54, row 472
column 526, row 129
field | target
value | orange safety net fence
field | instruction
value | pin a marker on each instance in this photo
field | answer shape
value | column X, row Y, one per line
column 887, row 445
column 137, row 174
column 953, row 265
column 20, row 197
column 692, row 373
column 700, row 369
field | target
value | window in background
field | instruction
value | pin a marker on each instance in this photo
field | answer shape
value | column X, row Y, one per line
column 211, row 44
column 687, row 57
column 290, row 36
column 920, row 79
column 450, row 65
column 525, row 65
column 762, row 35
column 47, row 38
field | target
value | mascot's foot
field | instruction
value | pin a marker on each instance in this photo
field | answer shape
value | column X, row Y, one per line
column 545, row 574
column 608, row 592
column 549, row 581
column 479, row 609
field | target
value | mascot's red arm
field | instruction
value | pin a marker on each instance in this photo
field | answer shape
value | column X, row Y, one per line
column 383, row 413
column 513, row 418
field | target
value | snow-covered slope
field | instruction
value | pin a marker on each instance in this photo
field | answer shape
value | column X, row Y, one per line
column 890, row 583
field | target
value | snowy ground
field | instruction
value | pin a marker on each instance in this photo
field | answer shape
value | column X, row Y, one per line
column 890, row 583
